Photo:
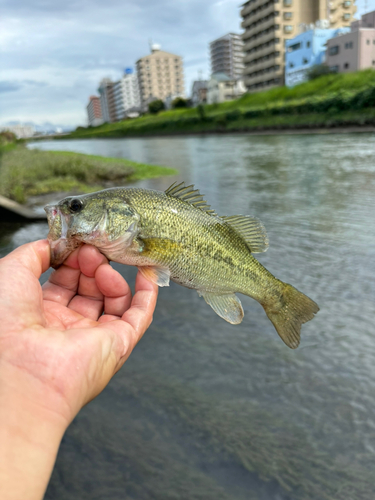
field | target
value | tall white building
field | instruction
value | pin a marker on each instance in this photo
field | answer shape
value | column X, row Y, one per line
column 227, row 56
column 126, row 94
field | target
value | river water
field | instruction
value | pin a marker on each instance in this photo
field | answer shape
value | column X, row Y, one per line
column 206, row 410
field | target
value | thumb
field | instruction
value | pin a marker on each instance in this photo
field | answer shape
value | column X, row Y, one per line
column 20, row 291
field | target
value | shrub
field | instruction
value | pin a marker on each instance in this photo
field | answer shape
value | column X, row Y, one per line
column 179, row 102
column 319, row 70
column 155, row 106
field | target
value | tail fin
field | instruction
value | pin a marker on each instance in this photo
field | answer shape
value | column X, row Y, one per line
column 289, row 312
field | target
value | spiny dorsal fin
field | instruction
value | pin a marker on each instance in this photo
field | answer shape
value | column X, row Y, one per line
column 190, row 195
column 251, row 229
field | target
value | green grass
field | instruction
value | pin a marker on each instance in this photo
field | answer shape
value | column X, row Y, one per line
column 331, row 100
column 25, row 173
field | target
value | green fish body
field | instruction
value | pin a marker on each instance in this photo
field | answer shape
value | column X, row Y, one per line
column 176, row 236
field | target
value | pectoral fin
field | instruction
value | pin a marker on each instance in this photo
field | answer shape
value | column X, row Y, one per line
column 158, row 275
column 227, row 306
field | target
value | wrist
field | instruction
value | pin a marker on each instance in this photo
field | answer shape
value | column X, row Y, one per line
column 30, row 435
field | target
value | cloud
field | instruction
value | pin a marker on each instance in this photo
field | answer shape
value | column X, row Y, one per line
column 9, row 86
column 55, row 53
column 12, row 86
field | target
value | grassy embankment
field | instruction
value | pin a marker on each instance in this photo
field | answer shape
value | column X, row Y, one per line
column 25, row 173
column 340, row 100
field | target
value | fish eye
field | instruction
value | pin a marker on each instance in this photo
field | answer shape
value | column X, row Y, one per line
column 75, row 205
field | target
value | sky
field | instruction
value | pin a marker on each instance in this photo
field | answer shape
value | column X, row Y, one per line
column 54, row 53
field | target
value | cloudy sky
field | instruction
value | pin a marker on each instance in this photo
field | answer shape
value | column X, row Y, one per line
column 54, row 53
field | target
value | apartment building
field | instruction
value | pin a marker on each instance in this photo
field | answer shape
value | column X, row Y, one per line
column 126, row 94
column 107, row 101
column 305, row 51
column 269, row 23
column 226, row 55
column 341, row 13
column 94, row 111
column 355, row 50
column 160, row 74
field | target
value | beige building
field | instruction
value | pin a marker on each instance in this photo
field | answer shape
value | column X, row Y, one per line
column 160, row 75
column 268, row 23
column 354, row 50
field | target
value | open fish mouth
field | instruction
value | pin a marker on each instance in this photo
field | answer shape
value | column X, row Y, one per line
column 60, row 245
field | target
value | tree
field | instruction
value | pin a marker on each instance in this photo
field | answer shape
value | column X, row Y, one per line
column 319, row 70
column 155, row 106
column 179, row 102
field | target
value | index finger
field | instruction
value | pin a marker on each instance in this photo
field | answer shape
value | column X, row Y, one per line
column 81, row 265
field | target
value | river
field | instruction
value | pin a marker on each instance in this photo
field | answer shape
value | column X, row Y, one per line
column 206, row 410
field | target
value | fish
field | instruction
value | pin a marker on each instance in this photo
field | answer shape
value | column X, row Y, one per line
column 175, row 235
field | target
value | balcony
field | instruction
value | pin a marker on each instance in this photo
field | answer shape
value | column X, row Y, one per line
column 246, row 10
column 265, row 51
column 260, row 40
column 264, row 77
column 259, row 15
column 258, row 30
column 272, row 61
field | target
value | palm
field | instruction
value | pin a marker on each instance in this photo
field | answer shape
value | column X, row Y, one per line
column 76, row 331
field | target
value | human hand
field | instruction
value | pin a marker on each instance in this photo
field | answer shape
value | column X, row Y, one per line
column 57, row 350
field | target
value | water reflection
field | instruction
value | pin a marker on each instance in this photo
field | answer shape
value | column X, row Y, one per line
column 208, row 410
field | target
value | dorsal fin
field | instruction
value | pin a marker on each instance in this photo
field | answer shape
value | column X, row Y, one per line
column 190, row 195
column 251, row 230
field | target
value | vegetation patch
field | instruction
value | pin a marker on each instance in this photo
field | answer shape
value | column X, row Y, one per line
column 25, row 172
column 328, row 101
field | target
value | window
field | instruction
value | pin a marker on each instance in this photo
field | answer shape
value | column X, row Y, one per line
column 288, row 16
column 346, row 65
column 335, row 69
column 287, row 3
column 294, row 47
column 308, row 44
column 346, row 16
column 368, row 42
column 305, row 61
column 347, row 3
column 349, row 45
column 291, row 65
column 288, row 28
column 333, row 51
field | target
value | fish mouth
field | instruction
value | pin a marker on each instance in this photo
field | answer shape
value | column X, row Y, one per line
column 61, row 247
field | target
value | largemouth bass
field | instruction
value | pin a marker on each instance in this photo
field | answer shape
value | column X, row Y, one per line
column 175, row 235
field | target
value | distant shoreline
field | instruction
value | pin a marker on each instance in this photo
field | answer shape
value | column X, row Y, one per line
column 275, row 131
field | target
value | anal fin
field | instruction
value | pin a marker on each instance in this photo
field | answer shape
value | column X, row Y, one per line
column 227, row 306
column 158, row 275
